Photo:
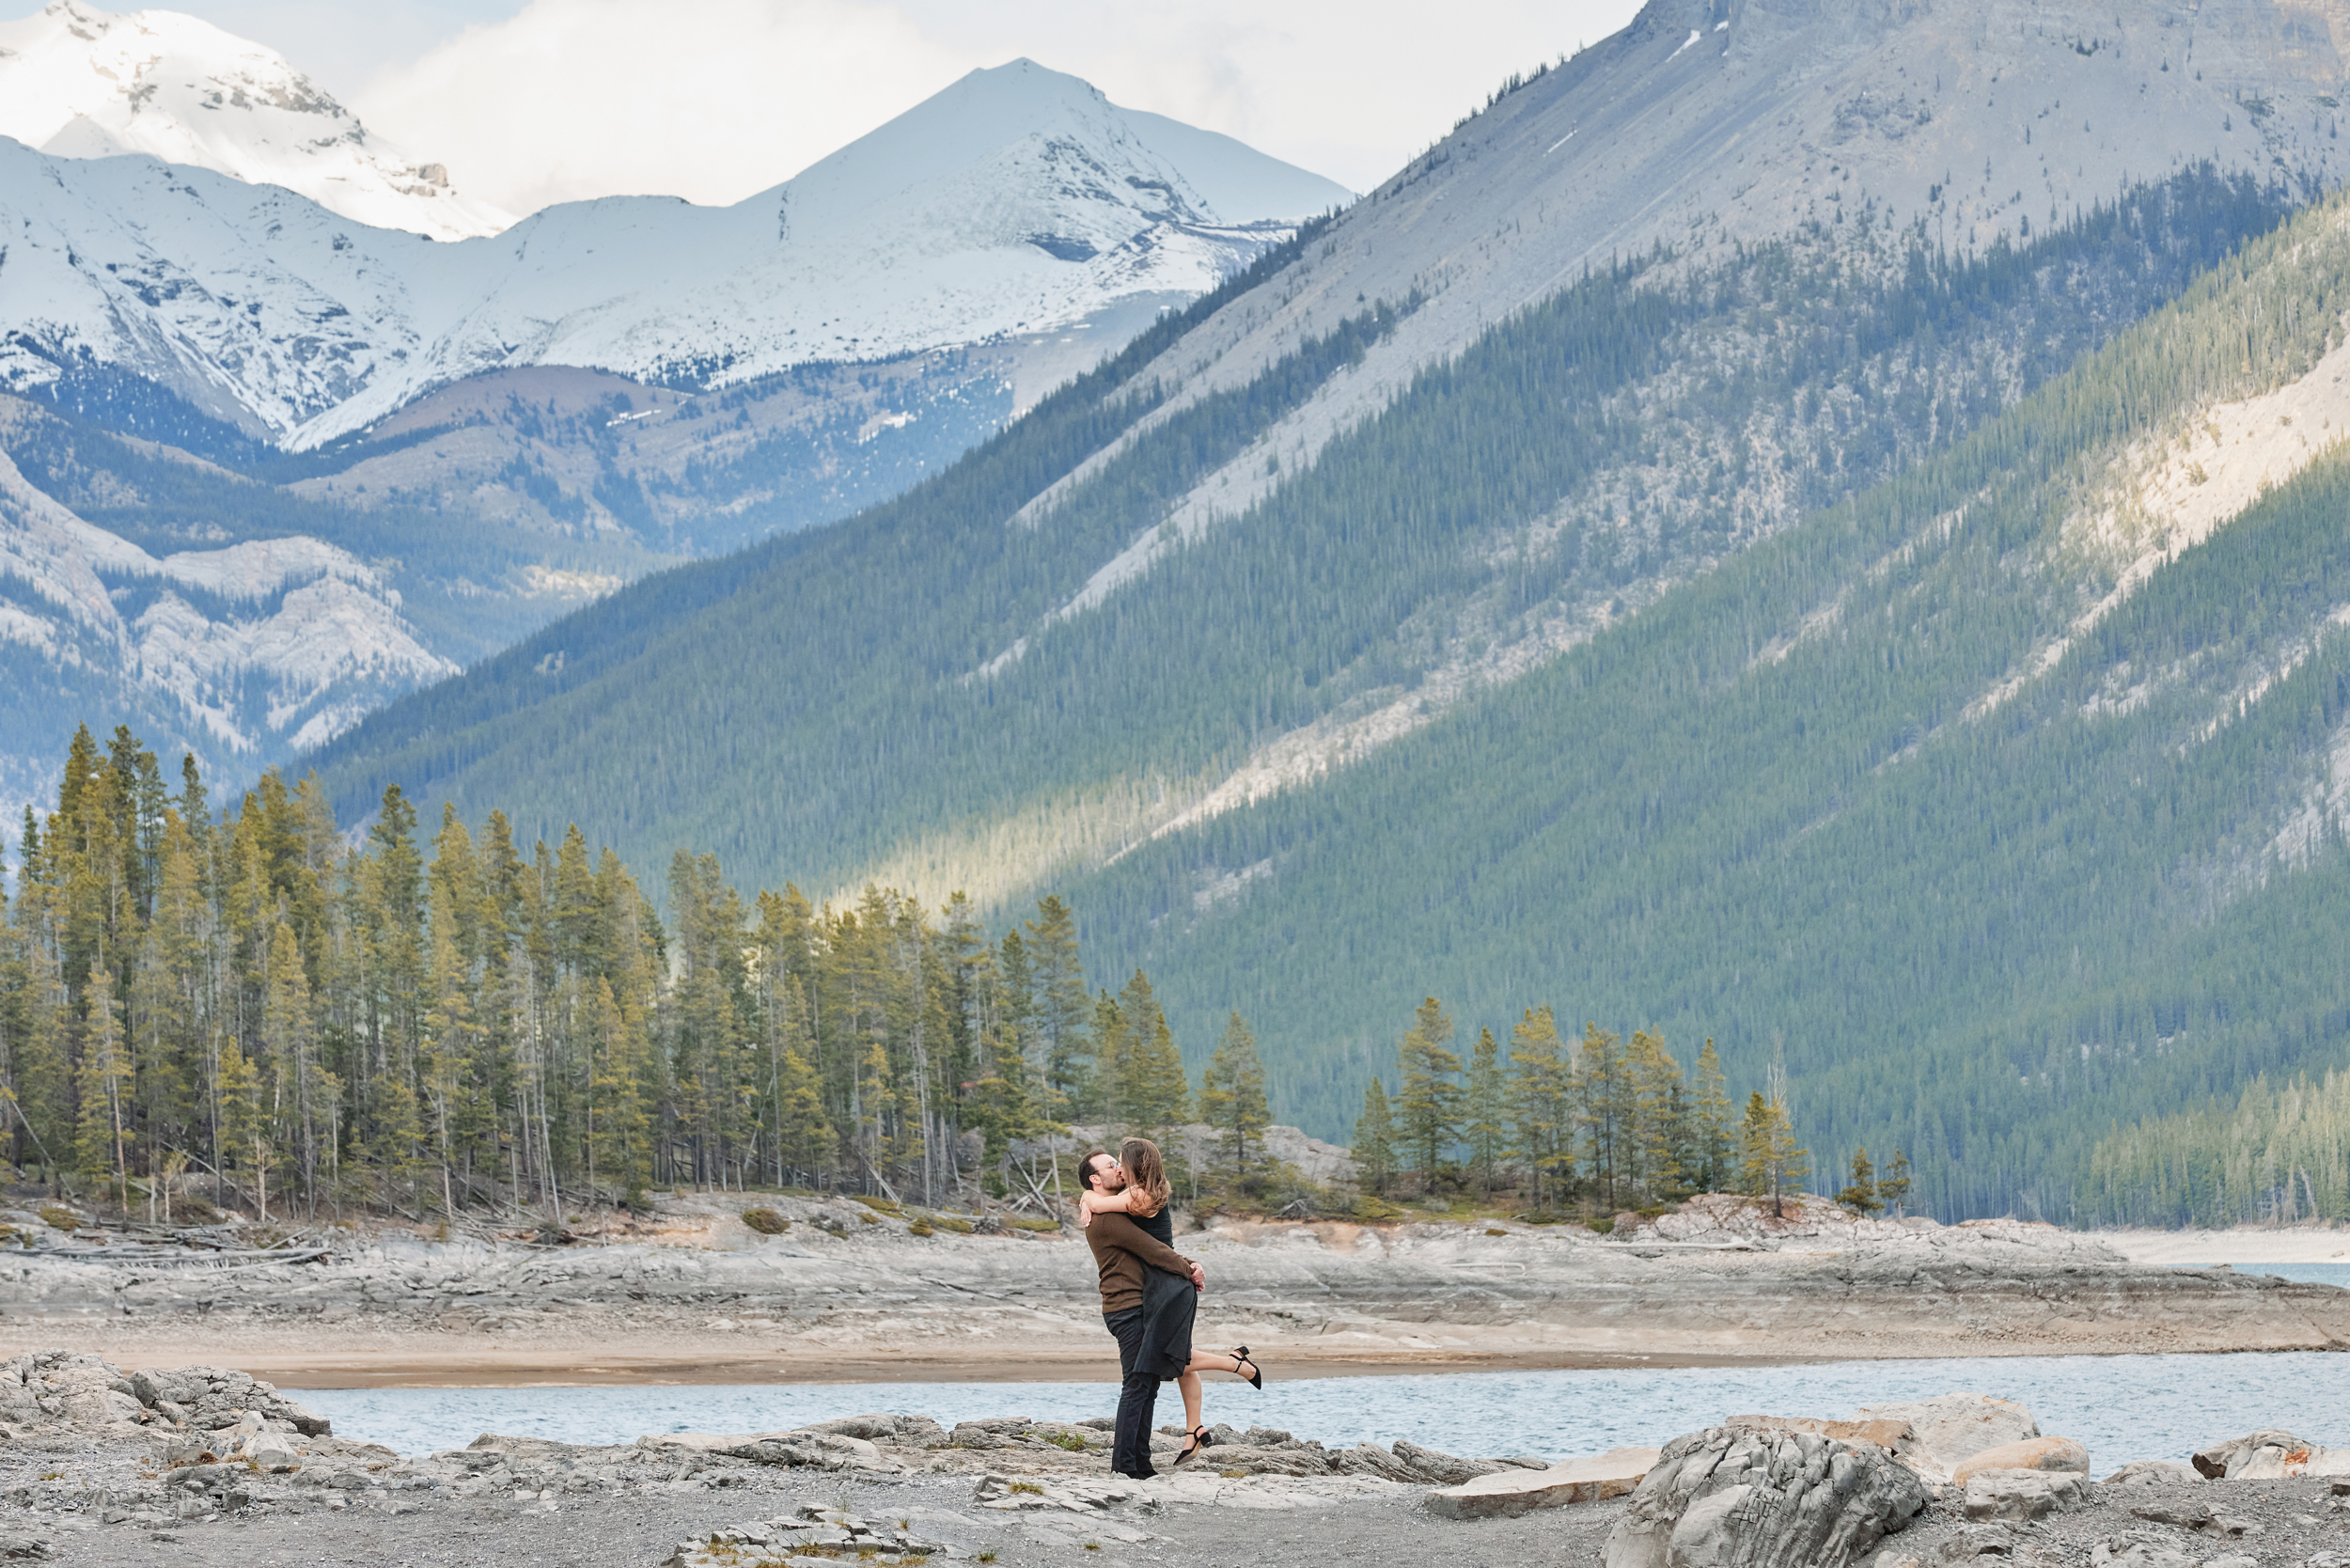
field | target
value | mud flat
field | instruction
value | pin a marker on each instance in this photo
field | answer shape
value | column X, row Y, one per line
column 849, row 1295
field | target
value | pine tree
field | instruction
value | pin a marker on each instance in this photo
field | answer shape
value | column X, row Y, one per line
column 1158, row 1095
column 1604, row 1094
column 1773, row 1161
column 1860, row 1194
column 1893, row 1186
column 1658, row 1129
column 243, row 1131
column 1429, row 1105
column 288, row 1040
column 1062, row 1011
column 1484, row 1125
column 1374, row 1141
column 1113, row 1043
column 1542, row 1104
column 616, row 1114
column 105, row 1084
column 1712, row 1123
column 1232, row 1097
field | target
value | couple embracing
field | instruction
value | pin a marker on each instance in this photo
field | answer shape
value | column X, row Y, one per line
column 1149, row 1295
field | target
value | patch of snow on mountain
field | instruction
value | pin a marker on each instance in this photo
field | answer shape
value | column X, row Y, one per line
column 77, row 82
column 1018, row 201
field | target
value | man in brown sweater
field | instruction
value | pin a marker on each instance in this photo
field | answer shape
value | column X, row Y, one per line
column 1121, row 1251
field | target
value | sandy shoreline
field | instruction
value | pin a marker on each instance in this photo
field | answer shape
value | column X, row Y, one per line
column 2242, row 1247
column 852, row 1297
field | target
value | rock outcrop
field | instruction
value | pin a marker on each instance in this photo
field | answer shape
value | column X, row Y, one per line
column 57, row 1395
column 2271, row 1455
column 1731, row 1496
column 1507, row 1494
column 1949, row 1429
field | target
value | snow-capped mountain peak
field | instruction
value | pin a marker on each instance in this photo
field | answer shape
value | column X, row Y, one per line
column 1177, row 172
column 975, row 120
column 76, row 82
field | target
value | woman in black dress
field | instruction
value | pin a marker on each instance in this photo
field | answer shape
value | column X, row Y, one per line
column 1169, row 1301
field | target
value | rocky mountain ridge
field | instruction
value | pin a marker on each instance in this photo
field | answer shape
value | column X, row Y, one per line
column 519, row 422
column 78, row 82
column 1016, row 200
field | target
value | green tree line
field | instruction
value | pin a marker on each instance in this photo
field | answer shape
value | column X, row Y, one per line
column 2279, row 1152
column 434, row 1023
column 1602, row 1123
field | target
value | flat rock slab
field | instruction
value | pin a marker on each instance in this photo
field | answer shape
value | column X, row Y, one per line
column 1507, row 1494
column 2032, row 1453
column 2019, row 1495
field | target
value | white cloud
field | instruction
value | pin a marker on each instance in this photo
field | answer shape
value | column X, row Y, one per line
column 711, row 100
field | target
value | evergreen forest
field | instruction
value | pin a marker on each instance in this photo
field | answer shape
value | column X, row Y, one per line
column 201, row 1008
column 1857, row 759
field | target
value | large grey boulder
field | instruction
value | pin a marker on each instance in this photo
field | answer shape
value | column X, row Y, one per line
column 1749, row 1498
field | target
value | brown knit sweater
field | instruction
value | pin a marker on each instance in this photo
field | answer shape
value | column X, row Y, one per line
column 1123, row 1250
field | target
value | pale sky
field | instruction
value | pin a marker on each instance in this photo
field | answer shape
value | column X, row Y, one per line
column 535, row 101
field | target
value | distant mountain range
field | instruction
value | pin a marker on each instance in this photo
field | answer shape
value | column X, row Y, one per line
column 1807, row 528
column 197, row 356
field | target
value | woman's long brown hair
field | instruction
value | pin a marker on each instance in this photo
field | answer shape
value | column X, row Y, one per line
column 1146, row 1173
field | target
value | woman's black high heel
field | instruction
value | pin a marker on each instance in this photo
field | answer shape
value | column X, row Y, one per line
column 1198, row 1440
column 1255, row 1373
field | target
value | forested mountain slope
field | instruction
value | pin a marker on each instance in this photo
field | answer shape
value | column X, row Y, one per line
column 1678, row 584
column 944, row 694
column 479, row 434
column 1781, row 167
column 2009, row 800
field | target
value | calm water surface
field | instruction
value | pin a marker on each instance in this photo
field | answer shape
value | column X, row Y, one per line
column 2124, row 1407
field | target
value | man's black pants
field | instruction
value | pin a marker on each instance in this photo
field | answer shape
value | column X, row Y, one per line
column 1138, row 1397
